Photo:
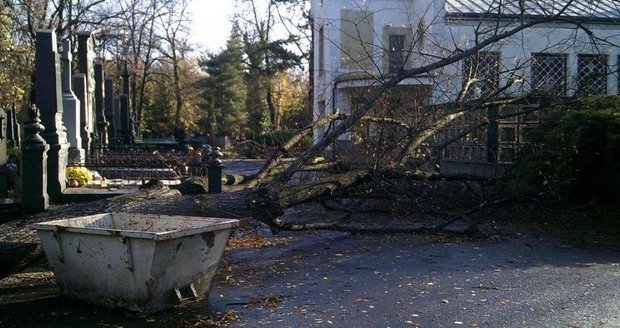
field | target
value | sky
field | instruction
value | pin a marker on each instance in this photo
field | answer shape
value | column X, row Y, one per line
column 211, row 23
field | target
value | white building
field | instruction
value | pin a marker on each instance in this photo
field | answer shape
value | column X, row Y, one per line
column 360, row 43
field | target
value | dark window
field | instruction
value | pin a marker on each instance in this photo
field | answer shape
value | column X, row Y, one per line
column 481, row 74
column 592, row 75
column 396, row 52
column 549, row 74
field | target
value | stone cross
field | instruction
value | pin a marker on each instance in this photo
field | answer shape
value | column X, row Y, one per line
column 34, row 165
column 102, row 123
column 71, row 109
column 48, row 98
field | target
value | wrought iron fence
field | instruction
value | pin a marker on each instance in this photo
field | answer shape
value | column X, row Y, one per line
column 137, row 166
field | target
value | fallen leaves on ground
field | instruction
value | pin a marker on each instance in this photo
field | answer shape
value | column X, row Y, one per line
column 26, row 279
column 247, row 242
column 226, row 318
column 253, row 241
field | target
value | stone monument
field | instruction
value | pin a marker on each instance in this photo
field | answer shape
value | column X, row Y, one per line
column 109, row 110
column 71, row 109
column 102, row 123
column 126, row 125
column 48, row 98
column 86, row 57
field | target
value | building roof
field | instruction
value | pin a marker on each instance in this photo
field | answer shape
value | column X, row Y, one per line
column 595, row 10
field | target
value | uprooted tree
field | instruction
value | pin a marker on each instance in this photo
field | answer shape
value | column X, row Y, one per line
column 393, row 139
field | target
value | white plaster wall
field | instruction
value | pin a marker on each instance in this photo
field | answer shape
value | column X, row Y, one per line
column 443, row 38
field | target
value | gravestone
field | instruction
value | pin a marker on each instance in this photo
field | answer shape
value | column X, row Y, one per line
column 71, row 109
column 34, row 165
column 86, row 57
column 79, row 88
column 102, row 123
column 117, row 120
column 48, row 98
column 126, row 119
column 4, row 156
column 109, row 110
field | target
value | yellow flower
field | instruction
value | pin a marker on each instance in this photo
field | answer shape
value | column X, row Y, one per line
column 81, row 174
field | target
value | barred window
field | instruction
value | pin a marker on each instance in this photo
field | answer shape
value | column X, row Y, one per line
column 396, row 52
column 592, row 75
column 483, row 69
column 549, row 73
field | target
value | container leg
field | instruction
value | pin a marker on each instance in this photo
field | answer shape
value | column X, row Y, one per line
column 186, row 293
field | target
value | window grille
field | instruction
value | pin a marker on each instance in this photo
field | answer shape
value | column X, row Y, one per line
column 592, row 75
column 549, row 74
column 484, row 68
column 396, row 52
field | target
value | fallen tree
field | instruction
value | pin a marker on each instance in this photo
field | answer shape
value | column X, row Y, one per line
column 266, row 195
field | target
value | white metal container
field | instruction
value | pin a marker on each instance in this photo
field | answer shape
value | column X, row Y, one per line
column 140, row 262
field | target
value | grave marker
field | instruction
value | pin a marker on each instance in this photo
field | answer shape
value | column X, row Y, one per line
column 48, row 98
column 71, row 109
column 109, row 110
column 102, row 123
column 86, row 57
column 126, row 119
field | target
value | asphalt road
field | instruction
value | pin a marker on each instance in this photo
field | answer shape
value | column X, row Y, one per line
column 406, row 281
column 340, row 280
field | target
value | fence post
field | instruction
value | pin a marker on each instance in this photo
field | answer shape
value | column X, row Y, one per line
column 34, row 165
column 215, row 171
column 493, row 135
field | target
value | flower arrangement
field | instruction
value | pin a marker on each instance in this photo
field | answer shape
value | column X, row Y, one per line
column 81, row 175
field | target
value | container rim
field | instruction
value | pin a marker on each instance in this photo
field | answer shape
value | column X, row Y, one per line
column 61, row 226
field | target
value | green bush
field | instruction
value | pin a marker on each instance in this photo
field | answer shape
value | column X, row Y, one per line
column 576, row 153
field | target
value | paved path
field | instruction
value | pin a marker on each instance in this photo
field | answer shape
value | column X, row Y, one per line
column 339, row 280
column 403, row 281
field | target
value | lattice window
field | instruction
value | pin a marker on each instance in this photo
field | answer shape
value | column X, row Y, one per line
column 483, row 68
column 592, row 75
column 549, row 74
column 396, row 52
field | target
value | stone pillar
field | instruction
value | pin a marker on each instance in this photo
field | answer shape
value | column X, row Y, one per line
column 102, row 123
column 48, row 98
column 34, row 165
column 86, row 57
column 109, row 110
column 71, row 109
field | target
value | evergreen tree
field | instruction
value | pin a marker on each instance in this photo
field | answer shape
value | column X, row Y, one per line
column 225, row 86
